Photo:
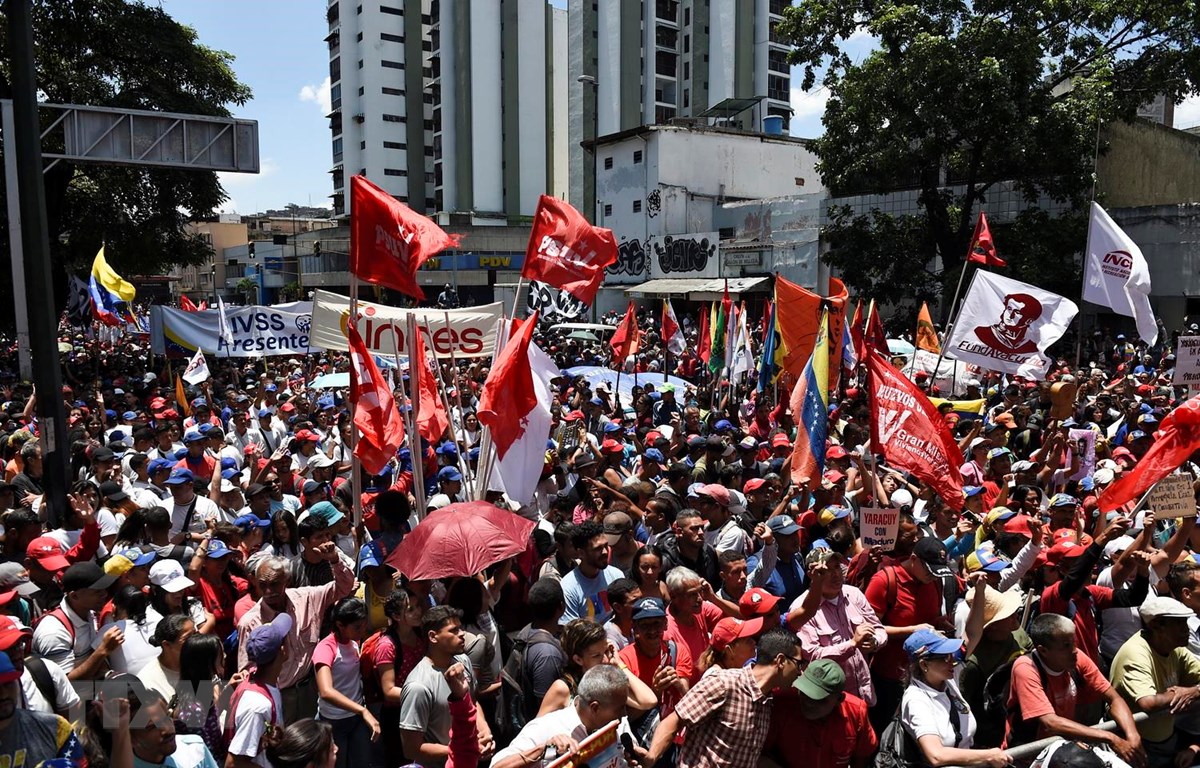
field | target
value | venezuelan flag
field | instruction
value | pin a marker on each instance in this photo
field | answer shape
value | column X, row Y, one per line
column 810, row 407
column 110, row 293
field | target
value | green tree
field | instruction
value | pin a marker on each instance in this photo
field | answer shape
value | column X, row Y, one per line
column 118, row 53
column 971, row 94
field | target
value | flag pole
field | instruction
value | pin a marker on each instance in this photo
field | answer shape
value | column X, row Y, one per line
column 468, row 481
column 954, row 314
column 355, row 464
column 418, row 453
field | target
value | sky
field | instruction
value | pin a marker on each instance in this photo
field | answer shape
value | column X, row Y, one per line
column 280, row 53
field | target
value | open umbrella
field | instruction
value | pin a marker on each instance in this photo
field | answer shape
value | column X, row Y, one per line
column 460, row 540
column 583, row 336
column 901, row 347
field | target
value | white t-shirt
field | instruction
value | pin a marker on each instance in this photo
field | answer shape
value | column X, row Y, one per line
column 52, row 640
column 206, row 509
column 564, row 722
column 342, row 660
column 136, row 652
column 926, row 712
column 64, row 692
column 250, row 722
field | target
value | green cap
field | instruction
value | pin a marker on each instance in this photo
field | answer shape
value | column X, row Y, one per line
column 821, row 679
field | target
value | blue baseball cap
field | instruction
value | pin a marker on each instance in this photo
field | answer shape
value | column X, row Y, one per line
column 229, row 474
column 596, row 401
column 265, row 412
column 1063, row 500
column 179, row 476
column 972, row 490
column 612, row 426
column 989, row 561
column 248, row 521
column 723, row 424
column 447, row 449
column 264, row 643
column 8, row 673
column 783, row 525
column 129, row 415
column 926, row 642
column 157, row 465
column 136, row 556
column 449, row 474
column 653, row 454
column 193, row 436
column 228, row 463
column 217, row 548
column 1137, row 434
column 111, row 414
column 649, row 608
column 270, row 388
column 473, row 454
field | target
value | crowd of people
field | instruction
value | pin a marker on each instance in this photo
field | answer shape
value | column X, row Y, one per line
column 209, row 598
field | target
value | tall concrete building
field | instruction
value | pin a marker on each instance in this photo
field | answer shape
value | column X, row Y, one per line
column 635, row 62
column 450, row 106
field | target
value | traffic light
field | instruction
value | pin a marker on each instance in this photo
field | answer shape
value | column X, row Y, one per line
column 250, row 249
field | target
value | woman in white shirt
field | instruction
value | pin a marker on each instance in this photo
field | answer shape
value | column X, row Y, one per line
column 933, row 711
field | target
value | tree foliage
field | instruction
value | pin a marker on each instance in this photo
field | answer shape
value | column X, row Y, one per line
column 959, row 96
column 119, row 53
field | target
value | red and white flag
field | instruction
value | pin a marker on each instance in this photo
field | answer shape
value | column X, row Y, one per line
column 186, row 304
column 431, row 412
column 983, row 248
column 508, row 394
column 672, row 334
column 625, row 339
column 380, row 426
column 517, row 473
column 390, row 241
column 908, row 430
column 566, row 251
column 1177, row 438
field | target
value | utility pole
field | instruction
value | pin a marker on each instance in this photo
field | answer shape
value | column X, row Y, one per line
column 35, row 238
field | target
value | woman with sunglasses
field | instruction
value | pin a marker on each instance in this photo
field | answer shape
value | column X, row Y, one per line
column 934, row 712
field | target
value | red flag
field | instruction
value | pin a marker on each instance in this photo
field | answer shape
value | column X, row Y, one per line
column 431, row 413
column 1177, row 438
column 202, row 306
column 705, row 346
column 566, row 251
column 983, row 249
column 508, row 394
column 874, row 331
column 390, row 241
column 672, row 334
column 798, row 315
column 910, row 433
column 858, row 333
column 625, row 339
column 380, row 426
column 186, row 304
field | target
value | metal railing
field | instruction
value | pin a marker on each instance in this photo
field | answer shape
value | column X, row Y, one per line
column 1031, row 750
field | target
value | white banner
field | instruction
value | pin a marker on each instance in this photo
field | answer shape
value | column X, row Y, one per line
column 952, row 375
column 1116, row 275
column 879, row 527
column 1006, row 325
column 255, row 331
column 472, row 332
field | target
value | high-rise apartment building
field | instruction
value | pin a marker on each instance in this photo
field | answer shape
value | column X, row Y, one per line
column 450, row 105
column 645, row 62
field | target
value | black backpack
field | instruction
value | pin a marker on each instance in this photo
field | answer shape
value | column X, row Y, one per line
column 897, row 747
column 517, row 707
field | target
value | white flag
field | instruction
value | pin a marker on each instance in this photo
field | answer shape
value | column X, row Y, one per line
column 223, row 329
column 743, row 357
column 518, row 473
column 1116, row 274
column 1006, row 325
column 197, row 370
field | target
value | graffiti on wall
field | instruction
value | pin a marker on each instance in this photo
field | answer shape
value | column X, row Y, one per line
column 632, row 260
column 688, row 253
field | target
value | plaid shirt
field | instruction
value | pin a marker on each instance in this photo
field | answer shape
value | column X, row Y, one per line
column 727, row 718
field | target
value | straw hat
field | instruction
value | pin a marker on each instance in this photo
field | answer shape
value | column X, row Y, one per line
column 997, row 605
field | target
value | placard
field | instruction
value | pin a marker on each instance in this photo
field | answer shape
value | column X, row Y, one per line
column 1187, row 361
column 879, row 527
column 1172, row 497
column 600, row 750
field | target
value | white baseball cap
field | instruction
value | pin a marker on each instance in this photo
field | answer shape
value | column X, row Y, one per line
column 169, row 575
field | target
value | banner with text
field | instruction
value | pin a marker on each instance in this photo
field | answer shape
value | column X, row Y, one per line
column 471, row 333
column 281, row 329
column 1173, row 497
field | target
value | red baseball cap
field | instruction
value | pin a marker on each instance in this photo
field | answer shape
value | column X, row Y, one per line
column 781, row 441
column 308, row 435
column 48, row 553
column 611, row 446
column 835, row 452
column 730, row 629
column 756, row 602
column 753, row 484
column 1064, row 550
column 717, row 493
column 11, row 632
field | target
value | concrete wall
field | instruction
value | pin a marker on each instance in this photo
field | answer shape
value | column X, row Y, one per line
column 1169, row 236
column 1148, row 164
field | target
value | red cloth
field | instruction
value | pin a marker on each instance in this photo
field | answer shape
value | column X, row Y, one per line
column 1028, row 699
column 381, row 428
column 695, row 637
column 1177, row 438
column 219, row 598
column 202, row 467
column 388, row 240
column 431, row 413
column 508, row 393
column 566, row 251
column 625, row 339
column 843, row 737
column 983, row 249
column 464, row 735
column 909, row 603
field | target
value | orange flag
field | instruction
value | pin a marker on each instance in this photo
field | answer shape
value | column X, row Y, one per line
column 181, row 397
column 799, row 313
column 927, row 338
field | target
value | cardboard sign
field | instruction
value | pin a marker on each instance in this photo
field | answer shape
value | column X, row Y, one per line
column 1172, row 497
column 879, row 527
column 600, row 750
column 1187, row 361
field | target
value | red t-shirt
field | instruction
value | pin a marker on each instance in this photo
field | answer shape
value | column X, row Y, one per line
column 219, row 600
column 203, row 467
column 645, row 667
column 1082, row 609
column 835, row 741
column 1028, row 699
column 909, row 603
column 695, row 637
column 384, row 651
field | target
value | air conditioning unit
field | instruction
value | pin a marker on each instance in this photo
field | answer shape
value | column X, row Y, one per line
column 359, row 118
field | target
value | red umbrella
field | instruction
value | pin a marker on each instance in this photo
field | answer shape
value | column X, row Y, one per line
column 460, row 540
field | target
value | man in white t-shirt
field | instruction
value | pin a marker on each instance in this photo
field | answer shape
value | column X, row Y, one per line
column 188, row 509
column 15, row 640
column 256, row 703
column 65, row 634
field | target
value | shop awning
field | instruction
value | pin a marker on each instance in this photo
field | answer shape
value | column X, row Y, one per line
column 698, row 288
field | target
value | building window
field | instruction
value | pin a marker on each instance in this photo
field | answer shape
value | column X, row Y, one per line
column 687, row 16
column 687, row 43
column 337, row 150
column 394, row 145
column 360, row 62
column 362, row 145
column 391, row 10
column 391, row 38
column 637, row 206
column 608, row 209
column 393, row 91
column 608, row 163
column 359, row 37
column 394, row 172
column 687, row 70
column 361, row 90
column 391, row 64
column 637, row 156
column 335, row 69
column 394, row 119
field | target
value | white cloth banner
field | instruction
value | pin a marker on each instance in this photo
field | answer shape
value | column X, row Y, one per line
column 255, row 331
column 472, row 332
column 197, row 370
column 1006, row 325
column 1116, row 274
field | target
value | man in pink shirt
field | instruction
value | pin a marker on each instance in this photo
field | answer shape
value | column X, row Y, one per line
column 691, row 617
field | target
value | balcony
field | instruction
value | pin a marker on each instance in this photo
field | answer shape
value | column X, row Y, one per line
column 667, row 10
column 666, row 38
column 777, row 62
column 775, row 7
column 666, row 64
